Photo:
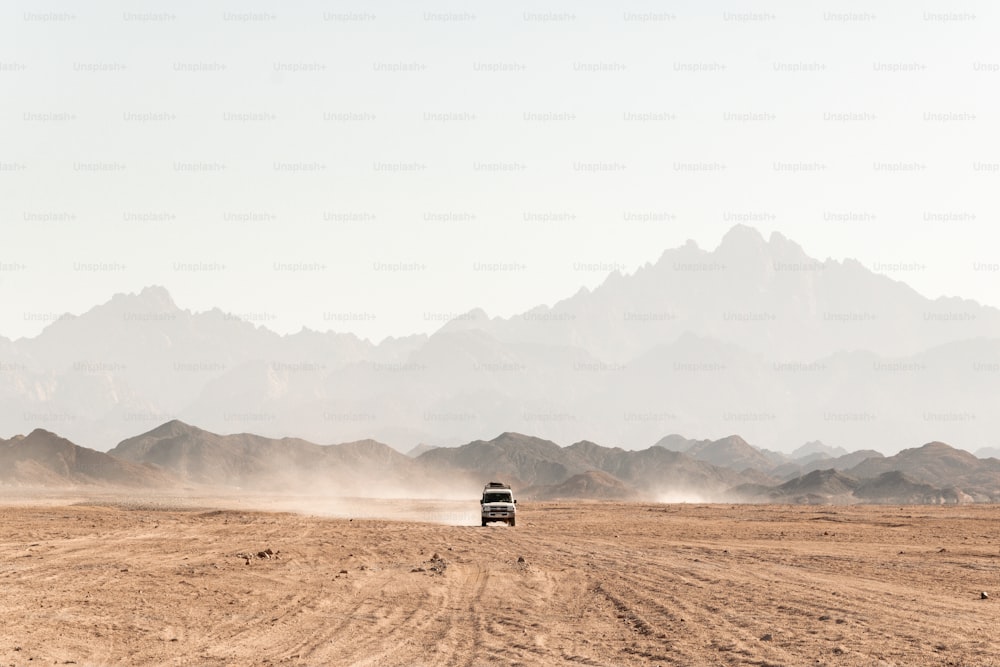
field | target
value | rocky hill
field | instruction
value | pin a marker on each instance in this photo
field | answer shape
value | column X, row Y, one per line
column 941, row 466
column 44, row 459
column 816, row 487
column 899, row 488
column 590, row 485
column 251, row 461
column 810, row 462
column 734, row 452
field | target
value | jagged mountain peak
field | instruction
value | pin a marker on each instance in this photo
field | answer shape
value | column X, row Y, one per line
column 815, row 448
column 515, row 439
column 44, row 438
column 741, row 237
column 936, row 448
column 472, row 319
column 174, row 427
column 40, row 433
column 734, row 441
column 150, row 299
column 675, row 443
column 157, row 294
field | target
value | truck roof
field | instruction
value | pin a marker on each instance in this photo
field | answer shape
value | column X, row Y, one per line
column 496, row 485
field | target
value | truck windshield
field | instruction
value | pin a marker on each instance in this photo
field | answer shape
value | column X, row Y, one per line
column 496, row 498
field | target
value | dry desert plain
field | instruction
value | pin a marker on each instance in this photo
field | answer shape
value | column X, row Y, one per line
column 107, row 580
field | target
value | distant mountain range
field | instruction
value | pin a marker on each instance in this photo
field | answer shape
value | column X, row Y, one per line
column 176, row 455
column 754, row 337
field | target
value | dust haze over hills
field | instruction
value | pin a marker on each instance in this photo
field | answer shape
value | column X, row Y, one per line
column 753, row 337
column 177, row 456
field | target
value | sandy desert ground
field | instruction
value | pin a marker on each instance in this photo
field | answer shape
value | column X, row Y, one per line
column 112, row 581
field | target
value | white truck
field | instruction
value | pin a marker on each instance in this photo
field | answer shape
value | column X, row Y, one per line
column 498, row 503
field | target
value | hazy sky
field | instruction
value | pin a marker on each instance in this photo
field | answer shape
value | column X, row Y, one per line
column 376, row 166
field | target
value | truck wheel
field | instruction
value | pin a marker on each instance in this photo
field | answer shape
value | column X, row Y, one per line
column 512, row 523
column 484, row 523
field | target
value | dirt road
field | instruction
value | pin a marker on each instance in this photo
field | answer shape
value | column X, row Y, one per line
column 581, row 584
